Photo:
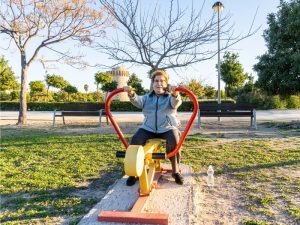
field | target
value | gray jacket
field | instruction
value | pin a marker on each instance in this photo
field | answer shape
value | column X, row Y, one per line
column 160, row 112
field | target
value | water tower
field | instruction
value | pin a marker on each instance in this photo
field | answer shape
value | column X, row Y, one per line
column 121, row 75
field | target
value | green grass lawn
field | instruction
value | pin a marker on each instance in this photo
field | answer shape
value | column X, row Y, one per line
column 44, row 175
column 42, row 172
column 265, row 169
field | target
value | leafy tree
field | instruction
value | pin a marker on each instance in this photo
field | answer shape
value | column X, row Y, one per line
column 40, row 25
column 209, row 91
column 103, row 78
column 37, row 90
column 232, row 72
column 195, row 87
column 278, row 69
column 7, row 77
column 37, row 86
column 70, row 90
column 136, row 83
column 107, row 87
column 106, row 81
column 55, row 81
column 250, row 85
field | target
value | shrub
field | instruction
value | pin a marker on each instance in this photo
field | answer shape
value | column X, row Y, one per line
column 15, row 95
column 261, row 101
column 293, row 102
column 255, row 98
column 5, row 96
column 258, row 101
column 275, row 102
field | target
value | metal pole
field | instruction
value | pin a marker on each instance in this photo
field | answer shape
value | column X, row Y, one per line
column 217, row 7
column 219, row 78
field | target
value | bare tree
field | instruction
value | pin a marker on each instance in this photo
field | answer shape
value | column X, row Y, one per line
column 165, row 38
column 35, row 25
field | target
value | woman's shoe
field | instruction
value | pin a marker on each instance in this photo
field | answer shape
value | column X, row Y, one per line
column 178, row 178
column 131, row 180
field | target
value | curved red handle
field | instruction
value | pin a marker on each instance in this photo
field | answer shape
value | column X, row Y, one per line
column 107, row 110
column 190, row 123
column 184, row 134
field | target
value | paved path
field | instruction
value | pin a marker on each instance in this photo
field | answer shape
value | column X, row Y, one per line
column 262, row 115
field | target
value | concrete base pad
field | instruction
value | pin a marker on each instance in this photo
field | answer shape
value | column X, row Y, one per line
column 169, row 198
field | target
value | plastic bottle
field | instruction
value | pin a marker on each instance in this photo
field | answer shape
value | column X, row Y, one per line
column 210, row 176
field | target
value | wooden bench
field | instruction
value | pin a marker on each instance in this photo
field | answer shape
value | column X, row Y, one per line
column 227, row 110
column 98, row 113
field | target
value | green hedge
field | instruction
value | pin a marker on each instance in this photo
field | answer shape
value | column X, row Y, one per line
column 78, row 106
column 50, row 106
column 257, row 100
column 260, row 101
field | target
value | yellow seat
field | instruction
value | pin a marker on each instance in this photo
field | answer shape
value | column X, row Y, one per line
column 139, row 162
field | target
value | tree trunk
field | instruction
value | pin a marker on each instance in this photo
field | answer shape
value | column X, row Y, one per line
column 22, row 120
column 48, row 93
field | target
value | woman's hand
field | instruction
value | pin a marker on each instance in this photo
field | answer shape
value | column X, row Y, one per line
column 172, row 91
column 129, row 90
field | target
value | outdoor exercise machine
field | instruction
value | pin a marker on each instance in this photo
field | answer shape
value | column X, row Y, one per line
column 144, row 162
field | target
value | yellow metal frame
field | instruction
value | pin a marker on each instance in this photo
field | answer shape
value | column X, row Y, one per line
column 139, row 162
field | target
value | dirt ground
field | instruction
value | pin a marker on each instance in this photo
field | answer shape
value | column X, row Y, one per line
column 221, row 204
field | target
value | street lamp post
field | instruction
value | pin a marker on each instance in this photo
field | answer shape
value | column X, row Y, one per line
column 217, row 7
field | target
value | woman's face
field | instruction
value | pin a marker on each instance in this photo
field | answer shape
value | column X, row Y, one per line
column 159, row 83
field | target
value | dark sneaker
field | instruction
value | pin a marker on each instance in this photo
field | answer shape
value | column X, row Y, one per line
column 131, row 180
column 178, row 178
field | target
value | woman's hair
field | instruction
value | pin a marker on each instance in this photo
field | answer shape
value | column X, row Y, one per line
column 160, row 73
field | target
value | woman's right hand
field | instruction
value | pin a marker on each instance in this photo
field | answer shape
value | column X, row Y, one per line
column 130, row 90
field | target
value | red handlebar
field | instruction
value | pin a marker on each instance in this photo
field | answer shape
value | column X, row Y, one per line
column 184, row 134
column 107, row 110
column 189, row 124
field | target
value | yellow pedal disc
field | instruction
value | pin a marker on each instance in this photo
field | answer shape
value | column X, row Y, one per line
column 134, row 160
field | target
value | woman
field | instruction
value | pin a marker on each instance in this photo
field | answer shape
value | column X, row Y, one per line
column 159, row 109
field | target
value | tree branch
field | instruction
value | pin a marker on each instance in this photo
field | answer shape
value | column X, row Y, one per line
column 182, row 39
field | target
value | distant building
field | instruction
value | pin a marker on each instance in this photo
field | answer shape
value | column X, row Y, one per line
column 120, row 75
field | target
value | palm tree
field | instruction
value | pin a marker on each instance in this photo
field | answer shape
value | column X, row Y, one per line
column 86, row 88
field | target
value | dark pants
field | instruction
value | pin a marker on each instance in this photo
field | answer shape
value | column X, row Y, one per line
column 172, row 138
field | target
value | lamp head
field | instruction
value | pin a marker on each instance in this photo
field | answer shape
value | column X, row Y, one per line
column 218, row 6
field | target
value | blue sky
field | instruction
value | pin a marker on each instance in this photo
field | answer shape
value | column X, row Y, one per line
column 242, row 13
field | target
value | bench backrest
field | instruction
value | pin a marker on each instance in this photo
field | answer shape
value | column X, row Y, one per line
column 81, row 107
column 80, row 113
column 225, row 107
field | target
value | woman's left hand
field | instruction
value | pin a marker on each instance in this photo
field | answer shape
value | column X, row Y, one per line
column 173, row 92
